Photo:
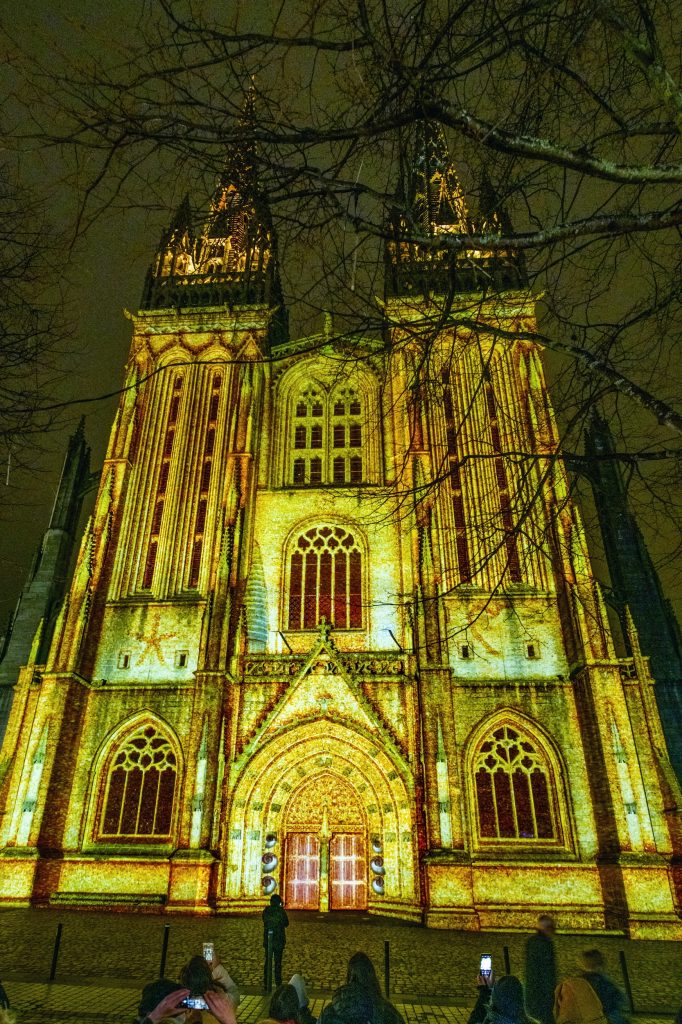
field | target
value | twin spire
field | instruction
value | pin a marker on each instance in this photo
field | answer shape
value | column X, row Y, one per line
column 231, row 260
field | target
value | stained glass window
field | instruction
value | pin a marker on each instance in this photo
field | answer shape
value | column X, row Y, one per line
column 513, row 788
column 140, row 787
column 325, row 579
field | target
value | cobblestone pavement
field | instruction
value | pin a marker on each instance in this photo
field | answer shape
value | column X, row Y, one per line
column 105, row 959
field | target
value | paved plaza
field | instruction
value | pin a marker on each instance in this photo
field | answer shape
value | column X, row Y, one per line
column 106, row 958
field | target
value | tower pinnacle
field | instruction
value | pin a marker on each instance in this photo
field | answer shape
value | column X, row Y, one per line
column 430, row 205
column 231, row 260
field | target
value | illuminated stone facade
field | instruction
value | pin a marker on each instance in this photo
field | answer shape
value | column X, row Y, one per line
column 327, row 634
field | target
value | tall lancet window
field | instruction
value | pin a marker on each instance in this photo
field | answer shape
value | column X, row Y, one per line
column 325, row 579
column 453, row 425
column 502, row 478
column 162, row 485
column 309, row 440
column 347, row 439
column 513, row 788
column 206, row 471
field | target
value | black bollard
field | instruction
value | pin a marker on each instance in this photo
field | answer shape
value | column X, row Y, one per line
column 507, row 962
column 55, row 952
column 387, row 968
column 164, row 950
column 626, row 978
column 268, row 966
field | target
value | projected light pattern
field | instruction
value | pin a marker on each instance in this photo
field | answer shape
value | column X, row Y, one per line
column 327, row 635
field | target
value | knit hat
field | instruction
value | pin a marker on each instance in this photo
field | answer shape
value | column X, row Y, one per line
column 507, row 997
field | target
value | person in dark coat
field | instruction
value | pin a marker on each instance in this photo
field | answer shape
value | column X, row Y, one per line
column 541, row 977
column 484, row 986
column 610, row 996
column 360, row 1000
column 275, row 920
column 506, row 1002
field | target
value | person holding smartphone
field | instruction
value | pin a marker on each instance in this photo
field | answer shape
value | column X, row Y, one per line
column 484, row 984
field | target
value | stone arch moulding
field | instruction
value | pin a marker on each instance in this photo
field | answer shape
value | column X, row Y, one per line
column 558, row 776
column 97, row 775
column 262, row 788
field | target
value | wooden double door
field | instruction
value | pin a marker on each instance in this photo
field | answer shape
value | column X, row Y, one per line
column 347, row 872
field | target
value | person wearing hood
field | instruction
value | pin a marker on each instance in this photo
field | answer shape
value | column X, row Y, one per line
column 304, row 1014
column 507, row 1004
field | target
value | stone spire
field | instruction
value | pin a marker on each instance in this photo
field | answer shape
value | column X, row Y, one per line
column 230, row 259
column 34, row 616
column 430, row 204
column 636, row 592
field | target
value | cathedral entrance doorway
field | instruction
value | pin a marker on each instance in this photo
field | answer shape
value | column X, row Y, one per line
column 325, row 847
column 342, row 860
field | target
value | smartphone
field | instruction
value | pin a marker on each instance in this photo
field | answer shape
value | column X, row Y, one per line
column 209, row 951
column 195, row 1003
column 486, row 968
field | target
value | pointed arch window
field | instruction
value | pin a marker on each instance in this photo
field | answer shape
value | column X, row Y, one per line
column 204, row 483
column 325, row 579
column 140, row 787
column 514, row 790
column 327, row 438
column 162, row 485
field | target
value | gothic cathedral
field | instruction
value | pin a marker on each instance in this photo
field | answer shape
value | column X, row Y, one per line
column 332, row 631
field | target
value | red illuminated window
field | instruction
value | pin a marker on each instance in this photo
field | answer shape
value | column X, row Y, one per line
column 325, row 579
column 204, row 483
column 161, row 486
column 453, row 426
column 513, row 789
column 140, row 787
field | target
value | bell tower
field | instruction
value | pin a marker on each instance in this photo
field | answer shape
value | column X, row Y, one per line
column 153, row 610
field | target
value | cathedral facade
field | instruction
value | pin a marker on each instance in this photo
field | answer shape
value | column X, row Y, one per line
column 332, row 631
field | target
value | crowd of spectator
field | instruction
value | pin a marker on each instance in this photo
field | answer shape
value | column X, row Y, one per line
column 205, row 993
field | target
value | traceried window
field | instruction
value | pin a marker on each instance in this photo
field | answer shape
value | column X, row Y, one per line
column 327, row 439
column 309, row 438
column 325, row 579
column 140, row 787
column 513, row 788
column 347, row 439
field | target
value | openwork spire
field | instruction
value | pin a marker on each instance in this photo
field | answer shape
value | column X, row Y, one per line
column 230, row 260
column 430, row 205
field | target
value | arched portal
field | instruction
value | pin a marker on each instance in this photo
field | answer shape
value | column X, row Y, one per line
column 340, row 788
column 324, row 844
